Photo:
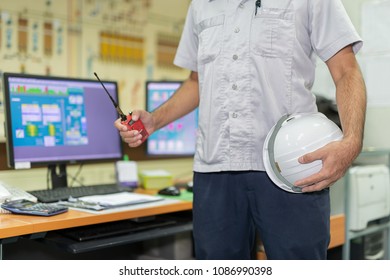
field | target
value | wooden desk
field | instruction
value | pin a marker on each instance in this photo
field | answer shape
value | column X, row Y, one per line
column 19, row 225
column 337, row 230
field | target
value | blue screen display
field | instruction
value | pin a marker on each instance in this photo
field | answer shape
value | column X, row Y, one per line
column 52, row 119
column 49, row 119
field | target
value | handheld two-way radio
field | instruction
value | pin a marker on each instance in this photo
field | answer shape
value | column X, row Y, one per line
column 127, row 120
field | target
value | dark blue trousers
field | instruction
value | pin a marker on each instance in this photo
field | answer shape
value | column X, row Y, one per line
column 230, row 206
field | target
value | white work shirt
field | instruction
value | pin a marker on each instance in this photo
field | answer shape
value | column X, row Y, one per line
column 253, row 69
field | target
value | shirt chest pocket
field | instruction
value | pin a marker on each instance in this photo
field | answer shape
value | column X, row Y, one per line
column 273, row 33
column 210, row 32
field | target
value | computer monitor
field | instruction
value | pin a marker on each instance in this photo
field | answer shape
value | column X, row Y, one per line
column 177, row 139
column 55, row 121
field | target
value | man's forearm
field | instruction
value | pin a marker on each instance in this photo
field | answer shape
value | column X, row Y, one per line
column 351, row 102
column 350, row 96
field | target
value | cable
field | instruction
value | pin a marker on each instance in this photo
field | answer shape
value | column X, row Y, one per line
column 74, row 178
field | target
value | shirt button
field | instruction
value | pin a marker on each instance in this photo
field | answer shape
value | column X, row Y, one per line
column 234, row 86
column 241, row 5
column 235, row 115
column 235, row 57
column 236, row 30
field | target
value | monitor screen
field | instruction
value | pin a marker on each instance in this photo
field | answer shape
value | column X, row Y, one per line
column 53, row 120
column 177, row 139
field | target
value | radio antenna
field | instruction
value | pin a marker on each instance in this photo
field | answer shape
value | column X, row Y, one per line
column 123, row 116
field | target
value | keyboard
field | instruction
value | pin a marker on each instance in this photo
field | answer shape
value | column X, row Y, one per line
column 86, row 233
column 54, row 195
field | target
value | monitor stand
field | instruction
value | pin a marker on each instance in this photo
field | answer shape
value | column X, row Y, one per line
column 58, row 175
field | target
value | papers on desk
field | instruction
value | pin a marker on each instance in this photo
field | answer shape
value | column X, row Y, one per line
column 119, row 199
column 109, row 201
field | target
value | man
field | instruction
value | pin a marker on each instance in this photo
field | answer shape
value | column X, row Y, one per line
column 252, row 62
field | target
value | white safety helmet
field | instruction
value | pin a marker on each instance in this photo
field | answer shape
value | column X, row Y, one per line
column 292, row 137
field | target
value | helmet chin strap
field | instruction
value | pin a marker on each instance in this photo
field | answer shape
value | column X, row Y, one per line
column 271, row 155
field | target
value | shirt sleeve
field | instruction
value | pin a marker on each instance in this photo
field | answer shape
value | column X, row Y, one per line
column 186, row 54
column 331, row 28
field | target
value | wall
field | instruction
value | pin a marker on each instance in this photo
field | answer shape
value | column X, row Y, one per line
column 71, row 45
column 370, row 17
column 76, row 45
column 76, row 25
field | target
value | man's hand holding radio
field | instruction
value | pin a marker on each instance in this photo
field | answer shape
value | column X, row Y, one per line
column 134, row 138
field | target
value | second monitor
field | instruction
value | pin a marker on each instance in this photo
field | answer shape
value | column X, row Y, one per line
column 177, row 139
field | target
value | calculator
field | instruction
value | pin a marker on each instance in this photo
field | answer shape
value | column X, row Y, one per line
column 27, row 207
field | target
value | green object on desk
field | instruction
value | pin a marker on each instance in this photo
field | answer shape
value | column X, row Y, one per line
column 184, row 195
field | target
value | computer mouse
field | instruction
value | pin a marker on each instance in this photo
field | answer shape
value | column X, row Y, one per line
column 190, row 186
column 171, row 190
